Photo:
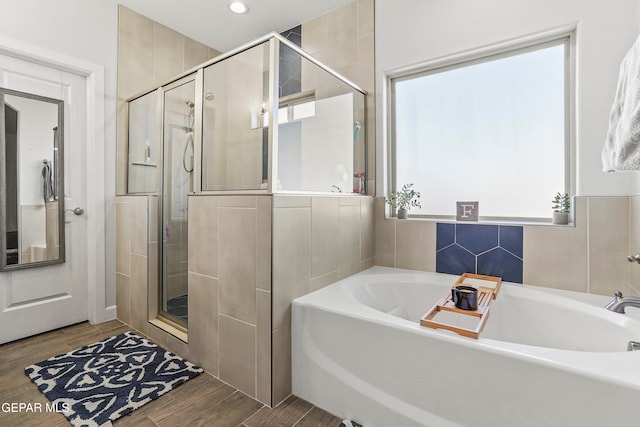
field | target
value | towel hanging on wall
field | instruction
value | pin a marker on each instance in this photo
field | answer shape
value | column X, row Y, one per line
column 621, row 150
column 47, row 191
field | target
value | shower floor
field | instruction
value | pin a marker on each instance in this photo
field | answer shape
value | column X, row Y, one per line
column 177, row 306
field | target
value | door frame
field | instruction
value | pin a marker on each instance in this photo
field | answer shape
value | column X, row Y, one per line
column 95, row 136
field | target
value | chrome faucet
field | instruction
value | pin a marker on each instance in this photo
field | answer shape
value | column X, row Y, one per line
column 618, row 303
column 337, row 188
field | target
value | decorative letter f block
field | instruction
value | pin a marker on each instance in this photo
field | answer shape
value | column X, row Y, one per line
column 467, row 211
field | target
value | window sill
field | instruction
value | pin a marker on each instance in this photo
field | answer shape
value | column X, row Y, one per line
column 514, row 222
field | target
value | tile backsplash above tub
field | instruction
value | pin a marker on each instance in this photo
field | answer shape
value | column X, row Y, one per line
column 494, row 250
column 589, row 256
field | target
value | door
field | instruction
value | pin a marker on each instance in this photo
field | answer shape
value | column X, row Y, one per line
column 34, row 300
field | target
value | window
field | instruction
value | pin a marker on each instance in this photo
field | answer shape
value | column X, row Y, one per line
column 493, row 129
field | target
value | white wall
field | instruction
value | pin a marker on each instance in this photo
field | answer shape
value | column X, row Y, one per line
column 85, row 30
column 414, row 31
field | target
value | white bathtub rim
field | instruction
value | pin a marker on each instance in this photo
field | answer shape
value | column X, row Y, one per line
column 615, row 367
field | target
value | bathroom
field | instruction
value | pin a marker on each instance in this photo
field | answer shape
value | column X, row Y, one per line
column 137, row 54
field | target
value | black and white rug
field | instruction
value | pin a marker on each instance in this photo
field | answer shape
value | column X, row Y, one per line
column 103, row 381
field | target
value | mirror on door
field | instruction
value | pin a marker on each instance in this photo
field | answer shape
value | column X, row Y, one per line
column 31, row 180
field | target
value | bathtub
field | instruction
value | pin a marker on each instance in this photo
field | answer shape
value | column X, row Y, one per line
column 545, row 358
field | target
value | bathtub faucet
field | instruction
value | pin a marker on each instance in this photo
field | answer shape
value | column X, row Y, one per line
column 618, row 303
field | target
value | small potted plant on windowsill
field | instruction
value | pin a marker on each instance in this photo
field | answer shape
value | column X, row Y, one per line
column 404, row 199
column 561, row 207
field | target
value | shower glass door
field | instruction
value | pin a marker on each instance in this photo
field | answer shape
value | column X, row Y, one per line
column 177, row 182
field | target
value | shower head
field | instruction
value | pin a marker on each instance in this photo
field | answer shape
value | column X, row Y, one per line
column 189, row 103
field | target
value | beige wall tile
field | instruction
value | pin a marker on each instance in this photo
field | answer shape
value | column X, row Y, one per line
column 139, row 225
column 153, row 282
column 385, row 236
column 368, row 263
column 168, row 53
column 203, row 321
column 366, row 74
column 135, row 49
column 238, row 263
column 349, row 237
column 280, row 201
column 291, row 260
column 123, row 298
column 178, row 346
column 324, row 280
column 203, row 235
column 324, row 235
column 263, row 347
column 415, row 245
column 608, row 244
column 123, row 235
column 138, row 292
column 315, row 35
column 153, row 218
column 556, row 256
column 238, row 201
column 237, row 354
column 365, row 17
column 281, row 364
column 264, row 242
column 157, row 335
column 349, row 200
column 195, row 53
column 343, row 36
column 367, row 228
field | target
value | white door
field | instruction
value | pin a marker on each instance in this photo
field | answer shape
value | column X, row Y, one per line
column 39, row 299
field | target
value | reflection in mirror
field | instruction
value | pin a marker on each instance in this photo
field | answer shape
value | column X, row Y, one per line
column 31, row 206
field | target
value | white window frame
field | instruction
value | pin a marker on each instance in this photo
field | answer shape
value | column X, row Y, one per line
column 566, row 36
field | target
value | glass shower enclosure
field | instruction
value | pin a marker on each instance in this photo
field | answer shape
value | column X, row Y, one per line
column 262, row 119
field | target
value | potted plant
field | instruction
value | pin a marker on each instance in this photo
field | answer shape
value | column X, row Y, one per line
column 561, row 207
column 404, row 199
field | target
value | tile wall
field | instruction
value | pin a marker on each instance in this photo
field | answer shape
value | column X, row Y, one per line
column 233, row 332
column 316, row 241
column 230, row 290
column 494, row 250
column 148, row 55
column 343, row 40
column 588, row 257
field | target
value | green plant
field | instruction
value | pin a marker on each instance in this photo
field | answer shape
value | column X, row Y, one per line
column 561, row 203
column 405, row 198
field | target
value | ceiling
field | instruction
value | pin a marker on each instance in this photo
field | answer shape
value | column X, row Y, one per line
column 212, row 23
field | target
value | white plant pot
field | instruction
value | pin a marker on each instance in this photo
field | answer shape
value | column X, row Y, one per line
column 561, row 217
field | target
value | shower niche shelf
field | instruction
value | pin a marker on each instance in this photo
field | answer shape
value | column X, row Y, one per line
column 469, row 323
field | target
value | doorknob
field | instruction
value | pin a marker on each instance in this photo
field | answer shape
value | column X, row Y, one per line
column 77, row 211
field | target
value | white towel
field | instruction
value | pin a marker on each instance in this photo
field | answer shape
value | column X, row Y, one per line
column 621, row 150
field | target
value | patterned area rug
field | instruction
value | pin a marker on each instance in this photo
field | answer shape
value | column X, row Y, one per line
column 103, row 381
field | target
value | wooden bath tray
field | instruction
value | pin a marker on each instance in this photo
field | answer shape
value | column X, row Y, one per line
column 488, row 288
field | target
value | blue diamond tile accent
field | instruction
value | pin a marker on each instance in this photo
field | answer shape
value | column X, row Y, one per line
column 477, row 238
column 445, row 235
column 501, row 263
column 455, row 260
column 511, row 239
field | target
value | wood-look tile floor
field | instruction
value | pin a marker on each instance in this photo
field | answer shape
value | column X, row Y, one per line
column 202, row 401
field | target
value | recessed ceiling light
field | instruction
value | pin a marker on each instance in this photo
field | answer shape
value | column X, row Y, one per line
column 238, row 7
